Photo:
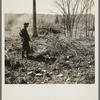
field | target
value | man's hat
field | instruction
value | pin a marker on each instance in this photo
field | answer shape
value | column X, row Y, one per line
column 26, row 23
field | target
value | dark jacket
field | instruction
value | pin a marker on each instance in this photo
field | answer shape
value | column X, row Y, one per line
column 25, row 35
column 25, row 39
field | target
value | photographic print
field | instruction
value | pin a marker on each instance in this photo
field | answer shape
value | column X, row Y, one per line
column 50, row 50
column 49, row 43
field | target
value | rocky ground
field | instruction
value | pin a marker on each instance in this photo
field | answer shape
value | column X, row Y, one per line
column 53, row 60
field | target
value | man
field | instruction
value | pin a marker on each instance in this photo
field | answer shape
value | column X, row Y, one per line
column 25, row 41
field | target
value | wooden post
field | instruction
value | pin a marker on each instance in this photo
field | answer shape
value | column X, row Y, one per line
column 34, row 19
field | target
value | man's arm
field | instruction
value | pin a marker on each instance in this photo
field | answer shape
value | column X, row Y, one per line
column 28, row 36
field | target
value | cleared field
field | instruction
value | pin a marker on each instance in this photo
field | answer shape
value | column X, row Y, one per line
column 54, row 59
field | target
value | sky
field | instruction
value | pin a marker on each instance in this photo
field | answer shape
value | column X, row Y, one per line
column 26, row 6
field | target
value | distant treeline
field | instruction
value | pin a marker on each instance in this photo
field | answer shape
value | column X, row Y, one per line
column 19, row 19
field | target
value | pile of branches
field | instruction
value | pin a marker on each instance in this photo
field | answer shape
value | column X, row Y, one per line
column 65, row 46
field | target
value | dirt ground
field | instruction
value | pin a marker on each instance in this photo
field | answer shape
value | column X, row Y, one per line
column 53, row 60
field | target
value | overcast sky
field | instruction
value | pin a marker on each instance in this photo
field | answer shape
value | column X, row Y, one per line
column 25, row 6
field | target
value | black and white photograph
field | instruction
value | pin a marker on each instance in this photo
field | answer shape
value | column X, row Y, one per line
column 49, row 41
column 49, row 49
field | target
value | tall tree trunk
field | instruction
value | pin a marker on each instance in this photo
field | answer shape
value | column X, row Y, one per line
column 89, row 18
column 34, row 19
column 65, row 29
column 92, row 29
column 76, row 30
column 86, row 25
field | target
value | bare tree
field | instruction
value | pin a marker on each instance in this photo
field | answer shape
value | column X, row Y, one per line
column 87, row 4
column 69, row 10
column 79, row 17
column 93, row 25
column 72, row 12
column 60, row 4
column 91, row 4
